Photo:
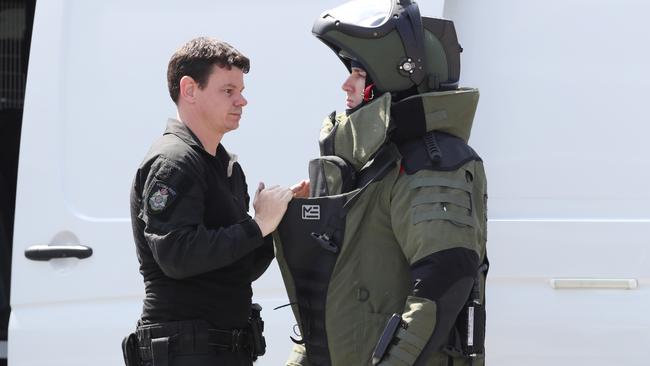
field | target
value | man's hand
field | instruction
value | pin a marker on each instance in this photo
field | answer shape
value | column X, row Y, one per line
column 301, row 189
column 270, row 205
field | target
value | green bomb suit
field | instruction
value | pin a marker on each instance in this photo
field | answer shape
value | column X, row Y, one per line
column 395, row 223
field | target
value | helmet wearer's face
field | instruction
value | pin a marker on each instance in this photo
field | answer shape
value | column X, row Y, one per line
column 353, row 87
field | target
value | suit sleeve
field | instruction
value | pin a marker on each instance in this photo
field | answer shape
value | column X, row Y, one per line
column 298, row 356
column 438, row 218
column 173, row 200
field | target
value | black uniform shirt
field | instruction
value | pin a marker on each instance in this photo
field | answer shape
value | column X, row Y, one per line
column 198, row 248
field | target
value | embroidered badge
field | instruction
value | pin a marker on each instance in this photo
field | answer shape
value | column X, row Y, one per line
column 161, row 197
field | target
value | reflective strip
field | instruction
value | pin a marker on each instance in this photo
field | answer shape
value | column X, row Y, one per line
column 442, row 215
column 462, row 201
column 3, row 350
column 594, row 283
column 440, row 182
column 411, row 338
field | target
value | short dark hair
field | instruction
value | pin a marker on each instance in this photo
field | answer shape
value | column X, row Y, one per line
column 196, row 59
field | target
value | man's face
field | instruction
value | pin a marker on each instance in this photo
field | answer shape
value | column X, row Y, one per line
column 354, row 86
column 220, row 102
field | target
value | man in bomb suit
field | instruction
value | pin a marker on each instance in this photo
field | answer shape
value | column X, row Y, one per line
column 385, row 261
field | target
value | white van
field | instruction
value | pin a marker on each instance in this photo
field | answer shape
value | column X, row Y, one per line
column 561, row 127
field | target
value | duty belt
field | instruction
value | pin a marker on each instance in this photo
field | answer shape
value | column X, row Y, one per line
column 161, row 339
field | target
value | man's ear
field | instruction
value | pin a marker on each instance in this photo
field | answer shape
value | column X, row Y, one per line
column 187, row 89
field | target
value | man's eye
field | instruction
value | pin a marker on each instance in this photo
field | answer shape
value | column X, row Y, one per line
column 228, row 91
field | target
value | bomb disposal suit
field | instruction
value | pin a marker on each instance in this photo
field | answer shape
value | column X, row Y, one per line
column 385, row 263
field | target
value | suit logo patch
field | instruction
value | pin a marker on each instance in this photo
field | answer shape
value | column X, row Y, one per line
column 311, row 212
column 161, row 197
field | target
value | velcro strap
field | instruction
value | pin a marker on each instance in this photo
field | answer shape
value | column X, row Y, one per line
column 440, row 182
column 461, row 200
column 401, row 355
column 408, row 337
column 160, row 351
column 419, row 217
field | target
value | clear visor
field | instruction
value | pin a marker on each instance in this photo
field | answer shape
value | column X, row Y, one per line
column 363, row 13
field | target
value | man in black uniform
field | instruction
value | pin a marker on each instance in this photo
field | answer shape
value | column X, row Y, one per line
column 198, row 249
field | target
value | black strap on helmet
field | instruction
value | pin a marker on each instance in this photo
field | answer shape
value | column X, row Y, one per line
column 412, row 35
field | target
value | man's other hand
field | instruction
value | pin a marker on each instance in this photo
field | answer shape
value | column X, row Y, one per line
column 301, row 189
column 270, row 205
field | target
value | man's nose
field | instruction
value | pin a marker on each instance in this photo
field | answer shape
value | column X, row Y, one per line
column 347, row 85
column 242, row 102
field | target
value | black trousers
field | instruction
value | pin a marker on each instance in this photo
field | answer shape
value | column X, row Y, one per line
column 211, row 358
column 189, row 343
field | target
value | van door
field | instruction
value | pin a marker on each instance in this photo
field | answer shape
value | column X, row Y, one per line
column 563, row 128
column 16, row 18
column 96, row 99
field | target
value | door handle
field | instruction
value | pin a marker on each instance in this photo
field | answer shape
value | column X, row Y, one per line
column 594, row 283
column 47, row 252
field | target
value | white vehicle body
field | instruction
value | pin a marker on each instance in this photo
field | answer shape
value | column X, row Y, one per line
column 560, row 125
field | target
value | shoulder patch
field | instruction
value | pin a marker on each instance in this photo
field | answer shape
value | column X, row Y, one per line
column 160, row 197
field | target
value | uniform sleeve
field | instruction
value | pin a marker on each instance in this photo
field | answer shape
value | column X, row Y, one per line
column 264, row 254
column 438, row 218
column 263, row 257
column 173, row 200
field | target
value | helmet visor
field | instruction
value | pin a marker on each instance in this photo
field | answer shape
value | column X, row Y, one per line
column 363, row 13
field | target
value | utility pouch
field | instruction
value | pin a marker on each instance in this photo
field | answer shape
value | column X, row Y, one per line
column 257, row 329
column 469, row 339
column 130, row 350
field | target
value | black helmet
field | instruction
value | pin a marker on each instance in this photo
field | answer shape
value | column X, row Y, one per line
column 398, row 49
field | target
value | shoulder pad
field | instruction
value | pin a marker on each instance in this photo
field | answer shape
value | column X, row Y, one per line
column 452, row 152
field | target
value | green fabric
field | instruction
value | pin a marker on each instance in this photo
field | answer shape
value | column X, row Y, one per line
column 443, row 198
column 436, row 226
column 450, row 111
column 297, row 356
column 442, row 215
column 333, row 177
column 420, row 318
column 414, row 340
column 432, row 181
column 360, row 135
